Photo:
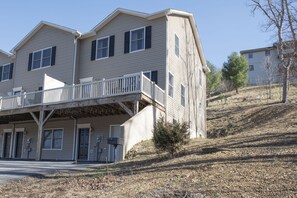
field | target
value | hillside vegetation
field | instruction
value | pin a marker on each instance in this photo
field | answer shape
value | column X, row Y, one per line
column 255, row 155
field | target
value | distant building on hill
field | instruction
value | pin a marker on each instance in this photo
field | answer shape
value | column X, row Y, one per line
column 264, row 66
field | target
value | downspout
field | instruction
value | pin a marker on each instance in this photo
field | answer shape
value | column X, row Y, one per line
column 75, row 57
column 166, row 69
column 74, row 154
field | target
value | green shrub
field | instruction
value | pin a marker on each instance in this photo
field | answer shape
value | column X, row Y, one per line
column 170, row 137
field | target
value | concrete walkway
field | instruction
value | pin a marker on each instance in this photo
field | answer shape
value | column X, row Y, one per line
column 15, row 170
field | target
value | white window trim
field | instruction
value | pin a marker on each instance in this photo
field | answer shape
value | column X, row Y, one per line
column 7, row 64
column 131, row 40
column 17, row 89
column 175, row 34
column 108, row 37
column 41, row 58
column 86, row 80
column 170, row 85
column 53, row 149
column 7, row 130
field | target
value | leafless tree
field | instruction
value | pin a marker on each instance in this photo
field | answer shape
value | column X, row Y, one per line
column 270, row 71
column 282, row 19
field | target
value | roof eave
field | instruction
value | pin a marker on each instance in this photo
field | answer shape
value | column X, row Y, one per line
column 37, row 28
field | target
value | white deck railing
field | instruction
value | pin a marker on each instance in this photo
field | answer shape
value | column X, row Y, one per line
column 129, row 84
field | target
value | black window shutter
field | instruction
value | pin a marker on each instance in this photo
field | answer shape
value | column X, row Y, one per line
column 127, row 42
column 154, row 76
column 30, row 62
column 111, row 45
column 11, row 70
column 1, row 73
column 148, row 37
column 93, row 50
column 53, row 61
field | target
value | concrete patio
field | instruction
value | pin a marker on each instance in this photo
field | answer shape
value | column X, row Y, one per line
column 16, row 170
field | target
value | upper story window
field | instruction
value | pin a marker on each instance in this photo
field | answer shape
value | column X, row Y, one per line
column 171, row 85
column 138, row 39
column 267, row 53
column 6, row 72
column 152, row 75
column 176, row 45
column 182, row 95
column 250, row 55
column 251, row 67
column 102, row 48
column 52, row 139
column 42, row 58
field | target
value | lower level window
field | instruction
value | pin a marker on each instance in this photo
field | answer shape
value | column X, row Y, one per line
column 52, row 138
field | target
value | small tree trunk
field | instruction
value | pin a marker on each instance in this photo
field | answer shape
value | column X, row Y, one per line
column 286, row 85
column 270, row 89
column 237, row 90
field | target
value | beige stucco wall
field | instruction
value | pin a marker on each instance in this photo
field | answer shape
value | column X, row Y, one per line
column 139, row 127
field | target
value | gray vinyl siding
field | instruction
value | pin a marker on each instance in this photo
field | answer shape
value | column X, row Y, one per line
column 5, row 86
column 120, row 64
column 101, row 127
column 185, row 70
column 67, row 144
column 62, row 70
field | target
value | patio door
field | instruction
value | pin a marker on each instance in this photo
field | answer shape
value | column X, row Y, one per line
column 83, row 143
column 7, row 145
column 18, row 144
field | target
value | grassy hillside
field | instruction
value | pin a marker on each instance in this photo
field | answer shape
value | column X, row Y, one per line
column 254, row 156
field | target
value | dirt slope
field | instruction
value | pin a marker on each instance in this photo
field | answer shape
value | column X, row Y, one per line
column 257, row 157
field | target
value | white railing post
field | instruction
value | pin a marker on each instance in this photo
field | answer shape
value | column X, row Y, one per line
column 141, row 82
column 73, row 92
column 103, row 87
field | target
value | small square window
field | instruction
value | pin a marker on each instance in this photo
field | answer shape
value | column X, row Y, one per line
column 267, row 53
column 251, row 67
column 137, row 40
column 171, row 85
column 250, row 55
column 176, row 45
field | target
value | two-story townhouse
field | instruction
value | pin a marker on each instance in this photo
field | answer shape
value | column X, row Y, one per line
column 6, row 73
column 79, row 92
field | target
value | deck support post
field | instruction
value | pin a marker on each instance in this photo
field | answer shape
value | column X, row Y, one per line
column 40, row 123
column 136, row 107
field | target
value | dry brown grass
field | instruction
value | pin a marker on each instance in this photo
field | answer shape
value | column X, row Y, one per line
column 259, row 159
